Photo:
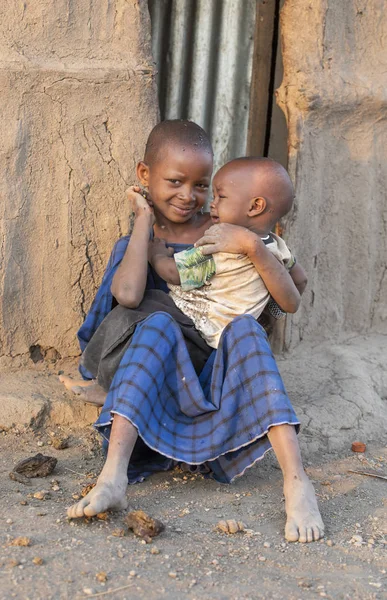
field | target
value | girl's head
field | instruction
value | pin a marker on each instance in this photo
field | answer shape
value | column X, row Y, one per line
column 177, row 169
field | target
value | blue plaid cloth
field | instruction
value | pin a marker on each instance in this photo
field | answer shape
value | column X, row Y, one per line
column 219, row 419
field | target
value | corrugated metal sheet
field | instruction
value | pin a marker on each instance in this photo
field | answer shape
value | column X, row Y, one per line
column 204, row 51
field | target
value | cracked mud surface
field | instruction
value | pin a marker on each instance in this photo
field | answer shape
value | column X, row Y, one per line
column 71, row 560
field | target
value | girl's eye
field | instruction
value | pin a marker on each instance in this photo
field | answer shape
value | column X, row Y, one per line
column 202, row 186
column 174, row 181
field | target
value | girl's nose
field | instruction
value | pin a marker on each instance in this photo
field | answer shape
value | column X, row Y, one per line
column 187, row 193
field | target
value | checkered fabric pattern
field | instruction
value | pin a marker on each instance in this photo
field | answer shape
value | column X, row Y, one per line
column 219, row 419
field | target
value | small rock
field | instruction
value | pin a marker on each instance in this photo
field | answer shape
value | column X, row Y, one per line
column 358, row 447
column 267, row 545
column 23, row 502
column 371, row 541
column 60, row 443
column 42, row 495
column 231, row 526
column 154, row 550
column 172, row 574
column 118, row 532
column 36, row 466
column 37, row 560
column 357, row 539
column 101, row 577
column 132, row 573
column 40, row 444
column 143, row 525
column 9, row 521
column 21, row 541
column 329, row 543
column 103, row 516
column 305, row 584
column 88, row 591
column 358, row 525
column 13, row 563
column 262, row 558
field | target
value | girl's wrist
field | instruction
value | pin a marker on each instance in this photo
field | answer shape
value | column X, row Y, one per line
column 253, row 245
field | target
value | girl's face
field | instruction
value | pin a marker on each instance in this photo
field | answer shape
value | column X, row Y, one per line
column 178, row 181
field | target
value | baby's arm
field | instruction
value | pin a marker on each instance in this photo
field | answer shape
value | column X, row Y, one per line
column 238, row 240
column 161, row 259
column 129, row 280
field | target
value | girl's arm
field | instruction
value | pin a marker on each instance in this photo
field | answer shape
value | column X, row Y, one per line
column 161, row 259
column 238, row 240
column 129, row 280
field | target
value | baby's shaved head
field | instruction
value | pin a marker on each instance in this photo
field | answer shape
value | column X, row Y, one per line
column 267, row 178
column 175, row 132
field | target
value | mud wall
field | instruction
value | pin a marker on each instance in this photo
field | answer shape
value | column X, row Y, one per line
column 334, row 97
column 77, row 99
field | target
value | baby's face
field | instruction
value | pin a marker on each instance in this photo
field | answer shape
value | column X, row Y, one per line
column 232, row 195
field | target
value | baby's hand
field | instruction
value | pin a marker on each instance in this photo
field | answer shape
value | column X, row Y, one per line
column 157, row 250
column 138, row 204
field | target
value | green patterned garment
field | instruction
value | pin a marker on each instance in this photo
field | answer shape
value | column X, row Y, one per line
column 195, row 269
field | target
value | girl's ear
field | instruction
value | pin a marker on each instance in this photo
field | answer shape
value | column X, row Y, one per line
column 142, row 171
column 257, row 206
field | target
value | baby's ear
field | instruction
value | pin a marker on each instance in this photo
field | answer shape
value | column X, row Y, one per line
column 257, row 206
column 142, row 171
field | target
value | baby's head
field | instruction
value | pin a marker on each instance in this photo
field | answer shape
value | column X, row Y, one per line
column 177, row 169
column 251, row 192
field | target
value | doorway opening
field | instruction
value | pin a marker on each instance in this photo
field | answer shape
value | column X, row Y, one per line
column 219, row 64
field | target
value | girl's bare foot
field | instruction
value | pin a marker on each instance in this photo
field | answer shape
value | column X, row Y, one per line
column 69, row 382
column 92, row 394
column 304, row 522
column 108, row 494
column 110, row 491
column 87, row 391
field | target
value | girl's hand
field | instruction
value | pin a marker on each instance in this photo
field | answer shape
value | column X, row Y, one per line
column 228, row 238
column 157, row 250
column 139, row 205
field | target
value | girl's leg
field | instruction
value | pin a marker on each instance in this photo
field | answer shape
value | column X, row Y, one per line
column 304, row 523
column 110, row 491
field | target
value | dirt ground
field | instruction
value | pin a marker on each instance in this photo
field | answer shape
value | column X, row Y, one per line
column 78, row 559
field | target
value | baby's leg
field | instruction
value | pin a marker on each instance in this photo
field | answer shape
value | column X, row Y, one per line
column 110, row 491
column 303, row 523
column 88, row 391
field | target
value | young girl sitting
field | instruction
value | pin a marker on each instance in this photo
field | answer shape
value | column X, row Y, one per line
column 171, row 398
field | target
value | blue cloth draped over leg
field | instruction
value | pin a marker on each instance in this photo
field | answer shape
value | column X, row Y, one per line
column 220, row 418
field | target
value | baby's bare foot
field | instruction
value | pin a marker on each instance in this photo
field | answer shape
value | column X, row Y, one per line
column 109, row 494
column 304, row 523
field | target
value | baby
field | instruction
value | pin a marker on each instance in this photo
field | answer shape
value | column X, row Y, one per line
column 213, row 289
